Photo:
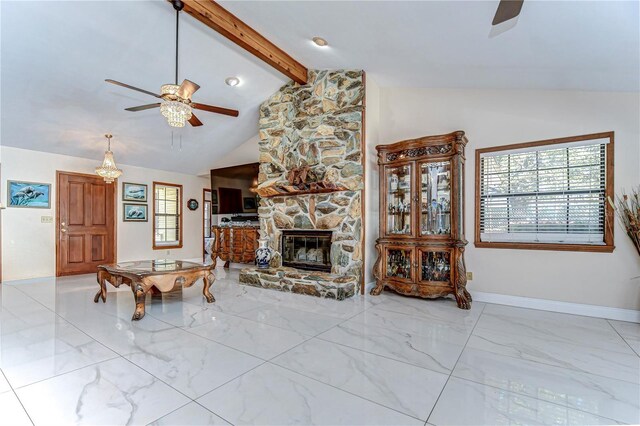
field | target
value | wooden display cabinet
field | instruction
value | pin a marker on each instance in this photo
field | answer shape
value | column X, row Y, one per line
column 421, row 244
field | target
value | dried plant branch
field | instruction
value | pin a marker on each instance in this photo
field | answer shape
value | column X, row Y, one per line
column 628, row 211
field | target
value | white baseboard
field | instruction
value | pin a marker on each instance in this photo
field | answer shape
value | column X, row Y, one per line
column 607, row 312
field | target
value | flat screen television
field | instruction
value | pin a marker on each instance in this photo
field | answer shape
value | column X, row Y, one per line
column 231, row 189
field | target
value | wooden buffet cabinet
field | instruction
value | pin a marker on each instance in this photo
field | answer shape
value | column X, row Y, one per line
column 235, row 244
column 421, row 244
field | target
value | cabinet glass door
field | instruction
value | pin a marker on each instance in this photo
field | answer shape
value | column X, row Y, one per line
column 435, row 198
column 399, row 200
column 435, row 266
column 399, row 261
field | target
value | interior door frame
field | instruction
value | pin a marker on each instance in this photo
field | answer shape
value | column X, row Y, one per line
column 204, row 200
column 115, row 217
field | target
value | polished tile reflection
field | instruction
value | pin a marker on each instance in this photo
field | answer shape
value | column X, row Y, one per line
column 265, row 357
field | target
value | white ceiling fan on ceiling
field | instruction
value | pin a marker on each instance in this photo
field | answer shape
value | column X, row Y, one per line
column 176, row 104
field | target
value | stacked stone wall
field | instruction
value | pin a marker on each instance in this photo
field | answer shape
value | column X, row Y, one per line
column 318, row 125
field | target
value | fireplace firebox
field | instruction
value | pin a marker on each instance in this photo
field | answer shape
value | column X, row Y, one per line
column 310, row 250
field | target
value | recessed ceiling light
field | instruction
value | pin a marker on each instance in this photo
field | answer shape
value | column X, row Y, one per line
column 320, row 42
column 232, row 81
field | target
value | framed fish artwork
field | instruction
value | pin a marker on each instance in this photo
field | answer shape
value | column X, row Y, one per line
column 134, row 212
column 28, row 194
column 134, row 192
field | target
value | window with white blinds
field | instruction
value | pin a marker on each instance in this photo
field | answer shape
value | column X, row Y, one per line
column 547, row 194
column 167, row 222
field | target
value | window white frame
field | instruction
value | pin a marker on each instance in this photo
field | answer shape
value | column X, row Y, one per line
column 592, row 233
column 160, row 211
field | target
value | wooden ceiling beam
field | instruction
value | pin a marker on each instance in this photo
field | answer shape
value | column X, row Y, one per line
column 224, row 22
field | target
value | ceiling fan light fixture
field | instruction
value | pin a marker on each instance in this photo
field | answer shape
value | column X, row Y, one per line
column 320, row 42
column 169, row 89
column 108, row 170
column 232, row 81
column 177, row 113
column 176, row 105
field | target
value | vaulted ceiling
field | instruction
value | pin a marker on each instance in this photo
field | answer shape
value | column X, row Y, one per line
column 566, row 45
column 56, row 55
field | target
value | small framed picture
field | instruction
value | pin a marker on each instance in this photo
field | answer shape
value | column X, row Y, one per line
column 193, row 204
column 134, row 212
column 214, row 209
column 28, row 194
column 249, row 203
column 214, row 196
column 134, row 192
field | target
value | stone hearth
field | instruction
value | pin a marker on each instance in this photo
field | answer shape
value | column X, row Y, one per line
column 314, row 130
column 313, row 283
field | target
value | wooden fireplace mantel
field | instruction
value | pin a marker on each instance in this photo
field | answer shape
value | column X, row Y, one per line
column 311, row 188
column 299, row 182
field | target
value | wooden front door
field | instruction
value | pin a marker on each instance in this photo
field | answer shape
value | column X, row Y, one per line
column 86, row 223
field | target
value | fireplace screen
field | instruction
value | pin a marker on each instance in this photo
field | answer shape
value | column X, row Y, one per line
column 309, row 250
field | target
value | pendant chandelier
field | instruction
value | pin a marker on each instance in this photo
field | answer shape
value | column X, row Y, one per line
column 108, row 171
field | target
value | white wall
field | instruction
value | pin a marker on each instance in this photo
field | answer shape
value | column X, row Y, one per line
column 28, row 246
column 243, row 154
column 372, row 195
column 498, row 117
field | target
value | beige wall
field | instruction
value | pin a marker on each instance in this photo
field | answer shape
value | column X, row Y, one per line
column 28, row 246
column 497, row 117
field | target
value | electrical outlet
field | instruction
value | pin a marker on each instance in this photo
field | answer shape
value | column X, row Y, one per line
column 46, row 219
column 469, row 276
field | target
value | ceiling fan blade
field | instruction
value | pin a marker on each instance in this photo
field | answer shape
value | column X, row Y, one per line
column 117, row 83
column 507, row 9
column 187, row 88
column 143, row 107
column 217, row 110
column 194, row 121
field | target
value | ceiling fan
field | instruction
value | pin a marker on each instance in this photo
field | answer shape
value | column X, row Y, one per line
column 176, row 103
column 507, row 10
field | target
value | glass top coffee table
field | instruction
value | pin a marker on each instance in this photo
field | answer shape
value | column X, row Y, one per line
column 161, row 275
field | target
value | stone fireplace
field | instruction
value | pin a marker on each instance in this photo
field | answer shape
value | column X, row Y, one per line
column 308, row 250
column 311, row 184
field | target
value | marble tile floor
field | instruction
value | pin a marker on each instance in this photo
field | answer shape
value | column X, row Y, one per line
column 258, row 356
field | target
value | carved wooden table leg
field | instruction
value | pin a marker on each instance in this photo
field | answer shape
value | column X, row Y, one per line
column 208, row 279
column 139, row 296
column 102, row 293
